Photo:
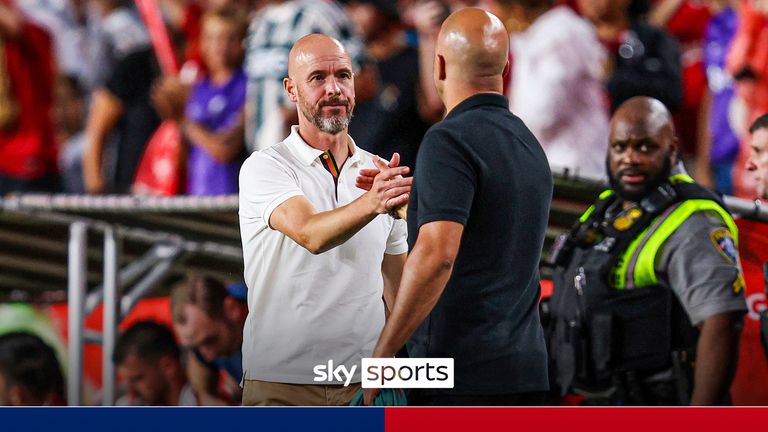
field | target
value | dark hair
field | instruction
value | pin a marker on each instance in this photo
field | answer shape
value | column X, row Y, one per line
column 147, row 340
column 27, row 361
column 202, row 291
column 760, row 123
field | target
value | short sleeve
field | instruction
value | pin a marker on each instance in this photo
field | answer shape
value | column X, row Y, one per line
column 700, row 262
column 397, row 242
column 264, row 185
column 445, row 178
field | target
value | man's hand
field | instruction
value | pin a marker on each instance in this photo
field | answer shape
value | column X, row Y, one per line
column 369, row 395
column 365, row 180
column 388, row 188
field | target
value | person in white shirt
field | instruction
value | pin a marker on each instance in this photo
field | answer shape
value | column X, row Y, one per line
column 557, row 65
column 319, row 253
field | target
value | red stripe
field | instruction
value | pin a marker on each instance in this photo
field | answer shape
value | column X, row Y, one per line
column 575, row 419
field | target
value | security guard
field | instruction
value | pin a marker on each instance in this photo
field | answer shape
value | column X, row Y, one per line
column 648, row 283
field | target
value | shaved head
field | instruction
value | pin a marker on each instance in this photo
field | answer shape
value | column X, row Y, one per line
column 307, row 50
column 321, row 83
column 643, row 147
column 646, row 114
column 472, row 48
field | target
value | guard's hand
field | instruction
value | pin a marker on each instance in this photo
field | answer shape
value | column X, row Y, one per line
column 369, row 395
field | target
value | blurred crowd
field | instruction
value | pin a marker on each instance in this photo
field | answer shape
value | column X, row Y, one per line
column 169, row 97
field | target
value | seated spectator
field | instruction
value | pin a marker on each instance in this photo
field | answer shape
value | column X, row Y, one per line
column 209, row 319
column 556, row 86
column 214, row 118
column 149, row 361
column 30, row 374
column 642, row 60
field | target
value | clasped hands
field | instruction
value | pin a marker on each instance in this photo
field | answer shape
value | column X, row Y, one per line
column 387, row 186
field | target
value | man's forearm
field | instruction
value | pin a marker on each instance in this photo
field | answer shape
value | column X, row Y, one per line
column 716, row 358
column 424, row 279
column 326, row 230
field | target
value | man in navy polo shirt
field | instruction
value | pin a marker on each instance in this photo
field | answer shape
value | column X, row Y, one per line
column 476, row 221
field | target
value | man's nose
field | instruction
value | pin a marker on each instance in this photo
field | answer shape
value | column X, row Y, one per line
column 332, row 86
column 750, row 165
column 630, row 156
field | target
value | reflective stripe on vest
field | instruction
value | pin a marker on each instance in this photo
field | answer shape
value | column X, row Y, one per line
column 636, row 269
column 603, row 195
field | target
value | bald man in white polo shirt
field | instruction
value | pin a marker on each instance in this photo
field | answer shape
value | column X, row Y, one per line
column 319, row 253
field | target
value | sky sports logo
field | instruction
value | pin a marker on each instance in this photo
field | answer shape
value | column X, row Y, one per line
column 391, row 373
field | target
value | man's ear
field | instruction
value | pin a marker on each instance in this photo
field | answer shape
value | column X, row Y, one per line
column 506, row 70
column 440, row 67
column 290, row 89
column 167, row 365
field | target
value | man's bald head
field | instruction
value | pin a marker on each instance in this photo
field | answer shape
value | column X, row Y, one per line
column 642, row 149
column 312, row 47
column 648, row 114
column 473, row 45
column 321, row 83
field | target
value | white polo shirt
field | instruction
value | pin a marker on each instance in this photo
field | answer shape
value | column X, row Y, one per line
column 304, row 309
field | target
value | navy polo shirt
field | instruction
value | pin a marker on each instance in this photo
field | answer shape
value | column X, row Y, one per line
column 483, row 168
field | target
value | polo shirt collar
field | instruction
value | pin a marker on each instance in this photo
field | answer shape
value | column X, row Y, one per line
column 308, row 154
column 478, row 100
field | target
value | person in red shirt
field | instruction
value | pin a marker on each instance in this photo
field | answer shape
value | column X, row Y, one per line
column 27, row 138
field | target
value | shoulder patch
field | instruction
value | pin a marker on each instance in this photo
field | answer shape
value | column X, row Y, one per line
column 723, row 242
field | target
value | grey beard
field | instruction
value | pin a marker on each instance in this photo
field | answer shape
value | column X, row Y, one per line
column 332, row 125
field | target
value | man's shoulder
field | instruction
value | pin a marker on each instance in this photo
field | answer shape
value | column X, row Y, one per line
column 275, row 155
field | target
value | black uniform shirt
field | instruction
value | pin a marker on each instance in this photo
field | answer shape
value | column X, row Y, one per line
column 482, row 167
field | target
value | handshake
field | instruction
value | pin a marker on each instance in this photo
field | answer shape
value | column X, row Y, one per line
column 386, row 186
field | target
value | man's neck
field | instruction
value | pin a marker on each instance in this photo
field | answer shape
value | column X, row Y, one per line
column 221, row 76
column 173, row 395
column 337, row 144
column 461, row 93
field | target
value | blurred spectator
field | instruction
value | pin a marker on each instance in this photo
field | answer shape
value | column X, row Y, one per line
column 27, row 72
column 556, row 85
column 426, row 16
column 209, row 319
column 214, row 115
column 118, row 31
column 269, row 113
column 686, row 21
column 396, row 120
column 722, row 115
column 149, row 361
column 67, row 22
column 122, row 105
column 69, row 113
column 757, row 163
column 748, row 62
column 30, row 374
column 642, row 60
